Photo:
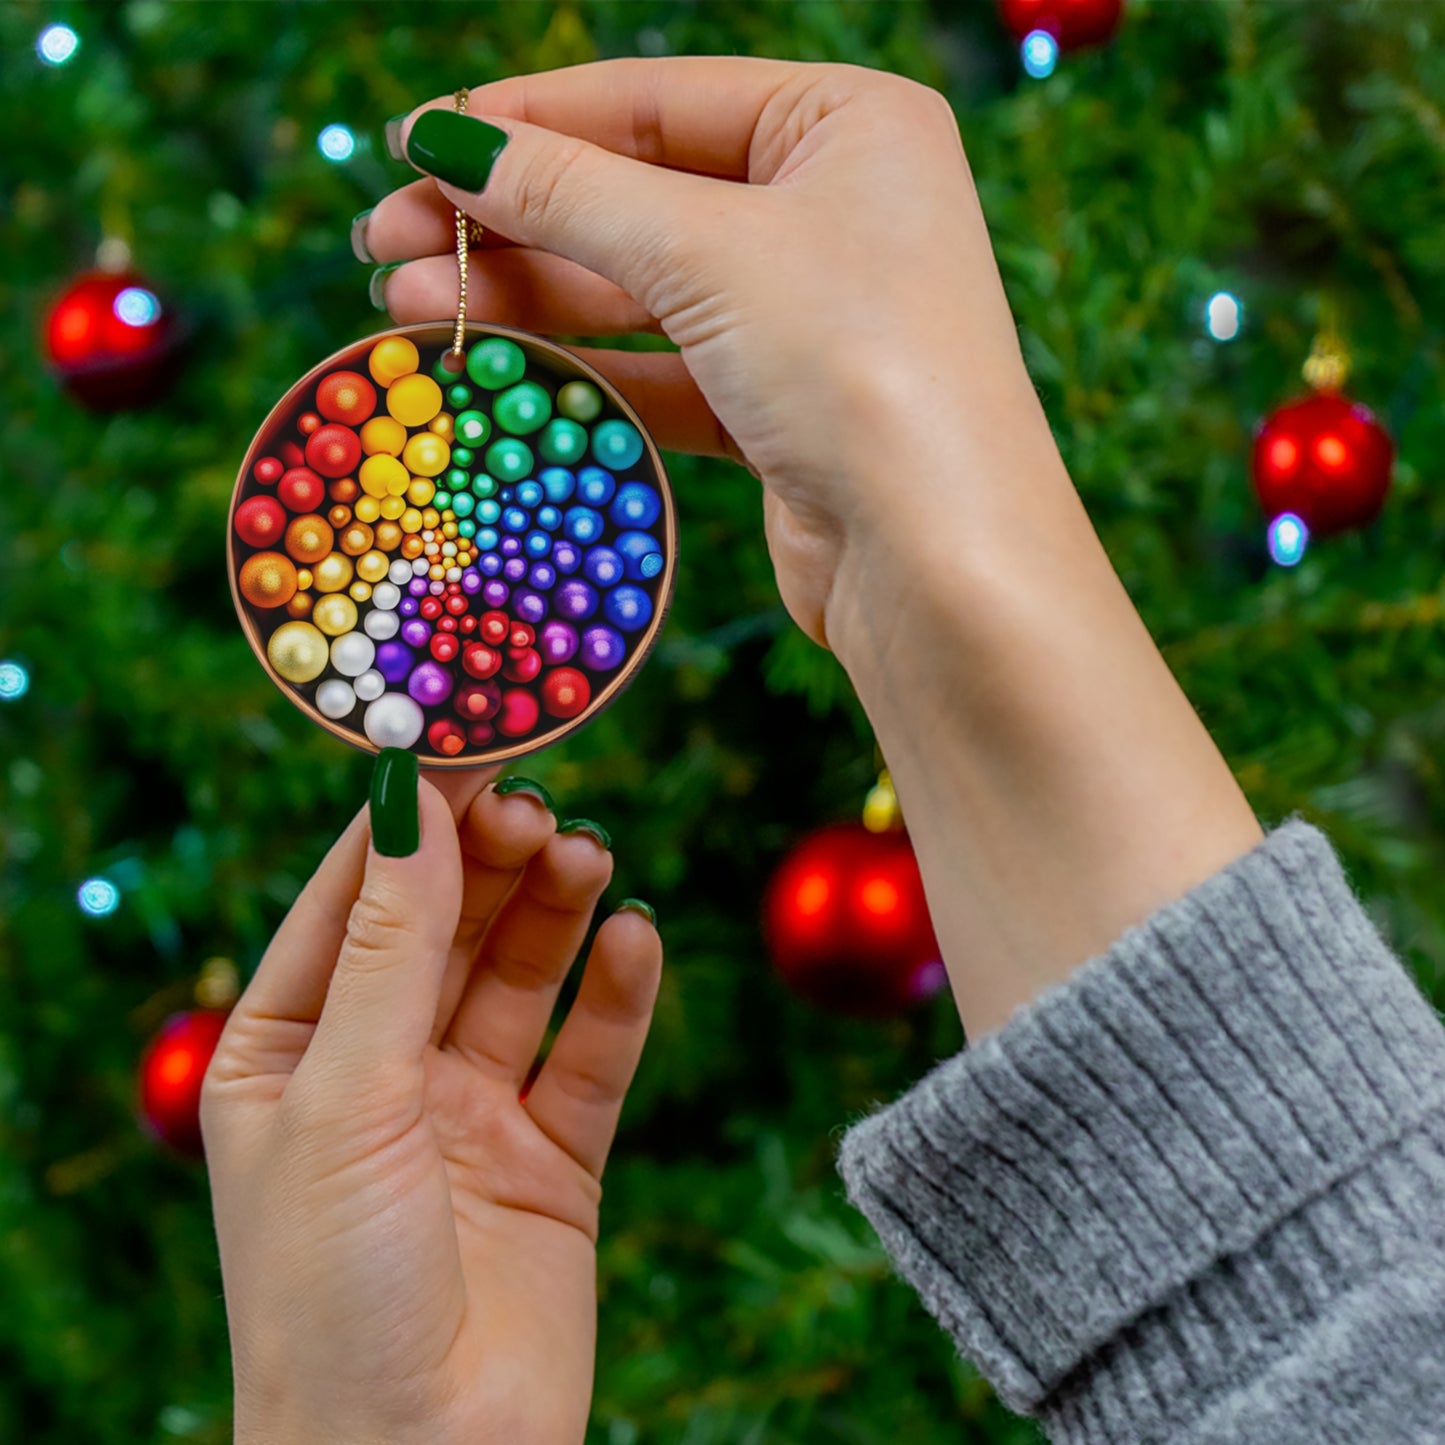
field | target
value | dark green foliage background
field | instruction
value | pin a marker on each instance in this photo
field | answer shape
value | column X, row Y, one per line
column 1285, row 151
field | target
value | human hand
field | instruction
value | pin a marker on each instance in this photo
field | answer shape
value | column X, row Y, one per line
column 408, row 1247
column 843, row 302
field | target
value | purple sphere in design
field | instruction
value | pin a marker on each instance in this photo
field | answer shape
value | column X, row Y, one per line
column 417, row 586
column 495, row 593
column 575, row 599
column 602, row 648
column 529, row 606
column 408, row 606
column 543, row 576
column 430, row 684
column 436, row 588
column 603, row 566
column 394, row 660
column 471, row 580
column 416, row 632
column 511, row 546
column 515, row 569
column 490, row 565
column 557, row 642
column 566, row 558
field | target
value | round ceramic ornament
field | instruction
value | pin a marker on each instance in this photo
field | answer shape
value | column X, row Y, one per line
column 454, row 539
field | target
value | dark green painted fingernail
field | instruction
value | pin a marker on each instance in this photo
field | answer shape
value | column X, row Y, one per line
column 359, row 248
column 455, row 148
column 586, row 825
column 395, row 820
column 376, row 289
column 393, row 136
column 527, row 786
column 636, row 905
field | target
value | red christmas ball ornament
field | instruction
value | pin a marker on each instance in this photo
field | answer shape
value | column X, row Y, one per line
column 347, row 397
column 478, row 701
column 1324, row 458
column 333, row 450
column 480, row 660
column 565, row 692
column 302, row 490
column 522, row 664
column 268, row 471
column 519, row 713
column 446, row 737
column 111, row 341
column 171, row 1071
column 847, row 924
column 261, row 521
column 1073, row 23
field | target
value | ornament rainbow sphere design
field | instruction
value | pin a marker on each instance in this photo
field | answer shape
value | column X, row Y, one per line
column 467, row 564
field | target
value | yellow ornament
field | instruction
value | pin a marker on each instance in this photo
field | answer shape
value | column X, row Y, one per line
column 444, row 426
column 410, row 520
column 333, row 573
column 379, row 476
column 334, row 614
column 415, row 399
column 298, row 651
column 421, row 491
column 426, row 454
column 367, row 509
column 359, row 591
column 383, row 434
column 371, row 567
column 431, row 518
column 392, row 507
column 437, row 572
column 392, row 358
column 388, row 536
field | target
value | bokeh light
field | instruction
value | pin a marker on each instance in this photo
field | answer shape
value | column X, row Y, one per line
column 98, row 897
column 336, row 143
column 57, row 44
column 1223, row 316
column 1288, row 538
column 136, row 306
column 14, row 681
column 1040, row 52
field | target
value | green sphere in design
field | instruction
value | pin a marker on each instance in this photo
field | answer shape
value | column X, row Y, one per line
column 466, row 528
column 484, row 486
column 496, row 363
column 564, row 442
column 522, row 408
column 462, row 457
column 463, row 503
column 442, row 501
column 509, row 460
column 459, row 395
column 580, row 400
column 616, row 444
column 473, row 428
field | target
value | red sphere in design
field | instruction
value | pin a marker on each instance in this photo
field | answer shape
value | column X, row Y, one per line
column 333, row 450
column 477, row 701
column 847, row 923
column 446, row 737
column 519, row 714
column 261, row 521
column 111, row 340
column 291, row 455
column 565, row 692
column 495, row 626
column 346, row 396
column 307, row 423
column 480, row 660
column 430, row 608
column 302, row 490
column 522, row 664
column 1073, row 23
column 171, row 1071
column 1324, row 458
column 268, row 471
column 444, row 647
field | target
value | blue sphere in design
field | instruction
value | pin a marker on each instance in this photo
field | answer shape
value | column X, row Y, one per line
column 557, row 483
column 641, row 553
column 566, row 558
column 528, row 494
column 616, row 444
column 627, row 607
column 603, row 566
column 537, row 544
column 514, row 519
column 582, row 524
column 549, row 517
column 595, row 486
column 486, row 539
column 543, row 576
column 636, row 505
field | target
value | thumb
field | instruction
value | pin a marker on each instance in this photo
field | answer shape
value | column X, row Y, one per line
column 628, row 221
column 382, row 1000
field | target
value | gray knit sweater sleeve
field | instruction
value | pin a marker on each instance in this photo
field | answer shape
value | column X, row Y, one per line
column 1196, row 1192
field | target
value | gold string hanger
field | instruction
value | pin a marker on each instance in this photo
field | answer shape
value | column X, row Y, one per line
column 468, row 231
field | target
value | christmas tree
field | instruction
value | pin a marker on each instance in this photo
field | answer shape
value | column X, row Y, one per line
column 1179, row 214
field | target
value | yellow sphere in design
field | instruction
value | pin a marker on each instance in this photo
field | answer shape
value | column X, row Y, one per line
column 411, row 520
column 431, row 518
column 392, row 507
column 383, row 434
column 367, row 509
column 426, row 454
column 268, row 579
column 380, row 474
column 299, row 650
column 371, row 567
column 392, row 358
column 421, row 491
column 444, row 426
column 414, row 400
column 333, row 573
column 359, row 591
column 334, row 614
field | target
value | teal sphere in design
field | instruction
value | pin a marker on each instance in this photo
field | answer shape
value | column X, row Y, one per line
column 522, row 408
column 496, row 363
column 459, row 396
column 509, row 460
column 564, row 442
column 616, row 444
column 580, row 400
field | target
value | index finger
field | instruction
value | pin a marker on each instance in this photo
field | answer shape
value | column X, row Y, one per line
column 695, row 113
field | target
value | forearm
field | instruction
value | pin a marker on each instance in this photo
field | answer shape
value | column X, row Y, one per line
column 1056, row 782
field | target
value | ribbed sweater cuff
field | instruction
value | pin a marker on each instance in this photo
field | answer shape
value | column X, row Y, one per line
column 1144, row 1164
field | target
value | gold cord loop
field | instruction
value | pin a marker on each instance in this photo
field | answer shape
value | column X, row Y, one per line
column 467, row 230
